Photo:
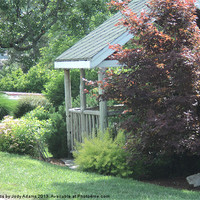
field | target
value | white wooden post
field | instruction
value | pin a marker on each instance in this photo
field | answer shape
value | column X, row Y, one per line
column 102, row 104
column 68, row 105
column 82, row 101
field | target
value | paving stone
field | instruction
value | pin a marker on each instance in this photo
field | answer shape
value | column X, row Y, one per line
column 194, row 180
column 70, row 163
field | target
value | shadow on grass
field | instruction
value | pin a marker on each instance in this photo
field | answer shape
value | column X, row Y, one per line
column 123, row 189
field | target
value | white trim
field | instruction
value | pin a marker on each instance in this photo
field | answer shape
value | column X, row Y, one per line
column 104, row 53
column 197, row 3
column 109, row 63
column 72, row 64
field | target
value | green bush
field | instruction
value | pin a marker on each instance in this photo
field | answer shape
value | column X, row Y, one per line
column 57, row 139
column 3, row 111
column 33, row 81
column 23, row 136
column 37, row 77
column 103, row 155
column 14, row 81
column 54, row 89
column 40, row 113
column 90, row 101
column 26, row 104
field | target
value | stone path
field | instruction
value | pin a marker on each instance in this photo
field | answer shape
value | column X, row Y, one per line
column 70, row 163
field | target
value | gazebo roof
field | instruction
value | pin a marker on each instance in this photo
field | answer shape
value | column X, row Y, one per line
column 93, row 49
column 90, row 51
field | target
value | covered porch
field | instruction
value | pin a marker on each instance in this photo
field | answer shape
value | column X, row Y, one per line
column 92, row 52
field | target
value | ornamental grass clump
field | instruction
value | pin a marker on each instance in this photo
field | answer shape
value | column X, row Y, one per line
column 7, row 106
column 29, row 103
column 103, row 154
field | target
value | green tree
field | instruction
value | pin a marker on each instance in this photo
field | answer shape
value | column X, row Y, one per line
column 85, row 17
column 24, row 22
column 28, row 25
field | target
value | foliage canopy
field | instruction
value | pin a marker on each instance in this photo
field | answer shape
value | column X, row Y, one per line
column 28, row 25
column 160, row 83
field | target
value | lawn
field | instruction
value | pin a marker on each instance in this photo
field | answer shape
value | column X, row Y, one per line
column 21, row 175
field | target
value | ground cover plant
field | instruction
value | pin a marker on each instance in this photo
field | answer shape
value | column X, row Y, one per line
column 21, row 175
column 160, row 81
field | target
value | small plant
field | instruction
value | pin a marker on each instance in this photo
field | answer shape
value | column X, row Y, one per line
column 103, row 155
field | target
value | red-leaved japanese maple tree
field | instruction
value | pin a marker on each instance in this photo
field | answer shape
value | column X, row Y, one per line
column 160, row 81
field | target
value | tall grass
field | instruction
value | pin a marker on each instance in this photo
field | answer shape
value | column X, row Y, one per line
column 7, row 106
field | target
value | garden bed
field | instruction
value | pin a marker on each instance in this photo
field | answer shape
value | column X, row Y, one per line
column 176, row 183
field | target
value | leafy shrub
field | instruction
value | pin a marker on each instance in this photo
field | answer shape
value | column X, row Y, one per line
column 14, row 81
column 33, row 81
column 54, row 89
column 26, row 104
column 40, row 113
column 103, row 155
column 23, row 136
column 57, row 139
column 37, row 77
column 3, row 111
column 163, row 97
column 90, row 101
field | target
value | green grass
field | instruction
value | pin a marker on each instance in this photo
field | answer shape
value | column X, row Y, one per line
column 21, row 175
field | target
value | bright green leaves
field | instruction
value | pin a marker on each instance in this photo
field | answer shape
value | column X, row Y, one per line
column 103, row 155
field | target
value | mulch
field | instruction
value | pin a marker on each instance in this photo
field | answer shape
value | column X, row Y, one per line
column 176, row 183
column 55, row 161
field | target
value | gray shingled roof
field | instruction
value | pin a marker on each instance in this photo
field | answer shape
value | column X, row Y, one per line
column 93, row 49
column 98, row 39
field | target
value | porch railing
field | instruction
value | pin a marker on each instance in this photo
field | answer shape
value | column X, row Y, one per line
column 82, row 124
column 86, row 123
